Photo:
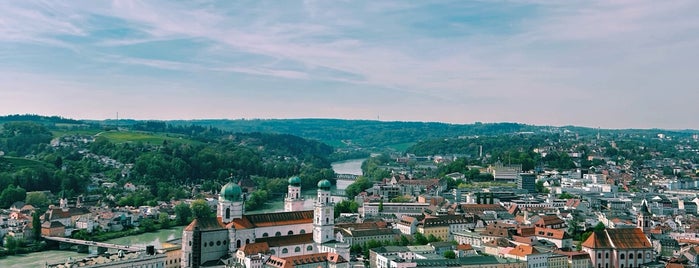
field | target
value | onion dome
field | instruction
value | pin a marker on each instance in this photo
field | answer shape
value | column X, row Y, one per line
column 231, row 192
column 295, row 181
column 324, row 185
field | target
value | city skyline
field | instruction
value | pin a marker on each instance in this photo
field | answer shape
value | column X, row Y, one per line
column 625, row 64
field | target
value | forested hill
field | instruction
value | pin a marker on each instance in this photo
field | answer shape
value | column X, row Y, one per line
column 362, row 133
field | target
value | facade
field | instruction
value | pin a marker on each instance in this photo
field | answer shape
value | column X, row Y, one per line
column 397, row 209
column 294, row 200
column 527, row 181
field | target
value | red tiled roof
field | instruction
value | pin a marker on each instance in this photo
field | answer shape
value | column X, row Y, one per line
column 206, row 224
column 289, row 262
column 278, row 241
column 523, row 250
column 623, row 238
column 254, row 248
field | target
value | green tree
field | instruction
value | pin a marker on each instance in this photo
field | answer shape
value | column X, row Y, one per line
column 12, row 194
column 36, row 225
column 420, row 239
column 599, row 227
column 449, row 254
column 201, row 210
column 148, row 225
column 182, row 213
column 257, row 200
column 37, row 199
column 346, row 206
column 359, row 185
column 11, row 244
column 431, row 238
column 164, row 220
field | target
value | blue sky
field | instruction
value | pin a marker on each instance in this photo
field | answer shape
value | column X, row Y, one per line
column 611, row 64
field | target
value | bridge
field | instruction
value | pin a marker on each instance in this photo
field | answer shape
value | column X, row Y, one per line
column 84, row 244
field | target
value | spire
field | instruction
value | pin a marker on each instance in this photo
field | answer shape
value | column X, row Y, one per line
column 644, row 208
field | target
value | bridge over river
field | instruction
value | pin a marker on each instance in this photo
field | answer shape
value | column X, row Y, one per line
column 84, row 245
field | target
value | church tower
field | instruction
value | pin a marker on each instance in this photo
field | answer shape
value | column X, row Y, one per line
column 643, row 217
column 294, row 200
column 230, row 203
column 324, row 215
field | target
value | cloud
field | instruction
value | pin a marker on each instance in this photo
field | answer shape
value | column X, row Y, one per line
column 502, row 55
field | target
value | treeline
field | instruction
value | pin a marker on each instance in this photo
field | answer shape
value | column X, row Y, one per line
column 22, row 138
column 38, row 118
column 363, row 133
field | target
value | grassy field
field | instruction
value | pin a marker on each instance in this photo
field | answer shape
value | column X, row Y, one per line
column 145, row 137
column 19, row 163
column 65, row 132
column 401, row 147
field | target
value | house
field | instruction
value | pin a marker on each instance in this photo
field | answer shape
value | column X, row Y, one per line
column 53, row 228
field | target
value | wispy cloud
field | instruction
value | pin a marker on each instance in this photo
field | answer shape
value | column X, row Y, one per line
column 489, row 54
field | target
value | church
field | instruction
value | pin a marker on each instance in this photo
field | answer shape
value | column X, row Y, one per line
column 232, row 234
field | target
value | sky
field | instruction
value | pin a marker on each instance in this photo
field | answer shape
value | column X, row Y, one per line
column 609, row 64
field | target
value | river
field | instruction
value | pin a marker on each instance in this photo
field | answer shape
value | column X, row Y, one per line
column 352, row 166
column 39, row 259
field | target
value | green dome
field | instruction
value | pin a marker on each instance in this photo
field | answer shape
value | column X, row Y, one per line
column 231, row 192
column 324, row 185
column 295, row 181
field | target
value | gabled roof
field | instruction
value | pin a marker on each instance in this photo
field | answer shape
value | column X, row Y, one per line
column 278, row 241
column 623, row 238
column 523, row 250
column 305, row 260
column 254, row 248
column 205, row 224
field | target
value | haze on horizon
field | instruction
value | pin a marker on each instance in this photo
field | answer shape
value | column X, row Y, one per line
column 610, row 64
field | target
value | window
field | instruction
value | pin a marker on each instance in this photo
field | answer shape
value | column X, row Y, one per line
column 302, row 231
column 648, row 255
column 285, row 251
column 228, row 213
column 265, row 235
column 218, row 243
column 606, row 255
column 297, row 249
column 621, row 256
column 640, row 256
column 309, row 248
column 278, row 234
column 327, row 220
column 273, row 252
column 237, row 243
column 631, row 256
column 599, row 255
column 290, row 232
column 211, row 244
column 247, row 241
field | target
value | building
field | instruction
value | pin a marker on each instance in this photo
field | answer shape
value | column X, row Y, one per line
column 329, row 260
column 527, row 181
column 284, row 234
column 622, row 248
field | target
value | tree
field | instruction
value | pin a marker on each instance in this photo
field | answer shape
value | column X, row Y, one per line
column 148, row 225
column 164, row 220
column 36, row 225
column 182, row 213
column 431, row 238
column 359, row 185
column 257, row 200
column 599, row 227
column 201, row 210
column 346, row 206
column 380, row 205
column 11, row 244
column 37, row 199
column 419, row 239
column 12, row 194
column 449, row 254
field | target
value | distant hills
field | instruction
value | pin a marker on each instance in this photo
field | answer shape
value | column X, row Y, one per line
column 341, row 133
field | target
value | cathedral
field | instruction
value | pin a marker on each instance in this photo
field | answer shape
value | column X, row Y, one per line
column 233, row 234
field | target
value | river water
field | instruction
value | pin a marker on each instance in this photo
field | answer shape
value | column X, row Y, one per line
column 39, row 259
column 352, row 166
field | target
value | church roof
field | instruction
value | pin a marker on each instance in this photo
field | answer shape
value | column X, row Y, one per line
column 254, row 248
column 623, row 238
column 280, row 218
column 280, row 241
column 205, row 224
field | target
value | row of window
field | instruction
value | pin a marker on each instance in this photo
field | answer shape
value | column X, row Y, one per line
column 290, row 232
column 622, row 256
column 211, row 243
column 297, row 249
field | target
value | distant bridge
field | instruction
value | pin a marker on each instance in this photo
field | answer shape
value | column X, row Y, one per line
column 93, row 243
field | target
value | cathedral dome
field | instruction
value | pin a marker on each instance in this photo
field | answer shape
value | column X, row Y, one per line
column 324, row 185
column 295, row 181
column 231, row 192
